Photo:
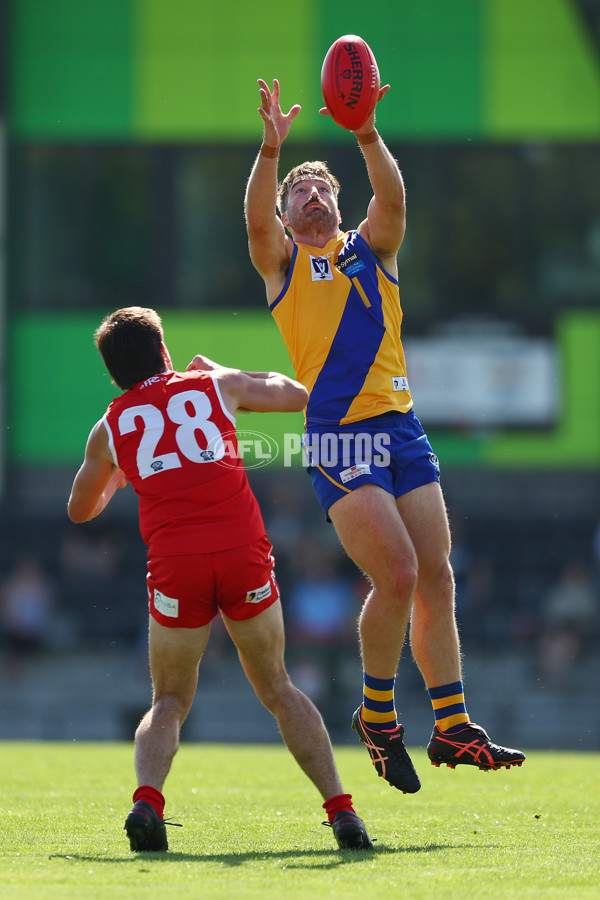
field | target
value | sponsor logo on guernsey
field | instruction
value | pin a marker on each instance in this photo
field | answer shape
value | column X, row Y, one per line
column 320, row 269
column 168, row 606
column 350, row 265
column 153, row 380
column 259, row 594
column 400, row 383
column 354, row 472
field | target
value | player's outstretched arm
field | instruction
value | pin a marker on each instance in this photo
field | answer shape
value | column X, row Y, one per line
column 385, row 224
column 266, row 235
column 202, row 363
column 261, row 391
column 97, row 479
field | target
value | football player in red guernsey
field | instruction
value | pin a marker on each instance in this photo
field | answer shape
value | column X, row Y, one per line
column 172, row 436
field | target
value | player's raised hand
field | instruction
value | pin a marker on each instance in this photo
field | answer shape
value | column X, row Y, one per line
column 277, row 124
column 324, row 111
column 369, row 125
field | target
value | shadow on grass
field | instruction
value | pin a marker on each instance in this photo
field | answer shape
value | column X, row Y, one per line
column 329, row 858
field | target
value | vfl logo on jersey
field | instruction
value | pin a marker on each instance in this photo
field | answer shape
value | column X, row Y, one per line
column 320, row 269
column 156, row 465
column 350, row 265
column 260, row 594
column 400, row 383
column 354, row 472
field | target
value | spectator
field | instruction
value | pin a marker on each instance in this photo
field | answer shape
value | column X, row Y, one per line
column 569, row 620
column 321, row 617
column 26, row 605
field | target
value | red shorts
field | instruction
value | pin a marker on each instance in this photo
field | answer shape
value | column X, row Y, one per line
column 188, row 591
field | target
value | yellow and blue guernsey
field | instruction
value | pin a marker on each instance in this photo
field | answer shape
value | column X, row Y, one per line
column 340, row 316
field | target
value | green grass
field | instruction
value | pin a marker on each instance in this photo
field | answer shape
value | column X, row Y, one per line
column 252, row 828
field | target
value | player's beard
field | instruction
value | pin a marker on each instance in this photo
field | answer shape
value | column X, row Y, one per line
column 316, row 218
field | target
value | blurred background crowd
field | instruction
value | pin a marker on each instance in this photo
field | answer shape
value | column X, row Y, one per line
column 127, row 137
column 73, row 621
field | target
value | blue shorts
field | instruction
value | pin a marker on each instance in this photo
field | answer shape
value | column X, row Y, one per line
column 390, row 450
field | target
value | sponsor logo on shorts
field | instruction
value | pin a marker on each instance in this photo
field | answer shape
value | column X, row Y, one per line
column 168, row 606
column 400, row 383
column 434, row 461
column 354, row 472
column 259, row 594
column 320, row 269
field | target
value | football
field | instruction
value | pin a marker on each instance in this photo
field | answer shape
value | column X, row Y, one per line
column 350, row 81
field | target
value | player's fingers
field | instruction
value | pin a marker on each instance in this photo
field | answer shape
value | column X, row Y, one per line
column 265, row 95
column 324, row 111
column 264, row 91
column 383, row 91
column 294, row 111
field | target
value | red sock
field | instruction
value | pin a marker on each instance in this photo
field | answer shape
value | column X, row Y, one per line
column 335, row 804
column 152, row 796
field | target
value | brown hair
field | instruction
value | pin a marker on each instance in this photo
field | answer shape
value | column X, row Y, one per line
column 130, row 343
column 304, row 172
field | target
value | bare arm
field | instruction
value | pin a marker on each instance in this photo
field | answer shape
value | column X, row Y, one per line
column 202, row 363
column 260, row 391
column 256, row 391
column 385, row 224
column 97, row 479
column 267, row 240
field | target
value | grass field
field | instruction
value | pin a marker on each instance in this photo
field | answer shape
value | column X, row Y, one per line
column 252, row 828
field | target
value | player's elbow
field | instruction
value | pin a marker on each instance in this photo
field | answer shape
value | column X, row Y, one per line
column 395, row 208
column 77, row 512
column 75, row 516
column 259, row 228
column 393, row 202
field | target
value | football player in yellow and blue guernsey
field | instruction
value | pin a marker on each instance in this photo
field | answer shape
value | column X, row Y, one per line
column 335, row 298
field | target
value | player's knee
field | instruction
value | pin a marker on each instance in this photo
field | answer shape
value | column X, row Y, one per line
column 400, row 583
column 274, row 692
column 444, row 577
column 171, row 706
column 437, row 582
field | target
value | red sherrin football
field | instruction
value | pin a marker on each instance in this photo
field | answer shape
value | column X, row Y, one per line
column 350, row 81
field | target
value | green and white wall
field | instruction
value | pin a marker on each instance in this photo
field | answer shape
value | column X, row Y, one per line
column 176, row 70
column 160, row 71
